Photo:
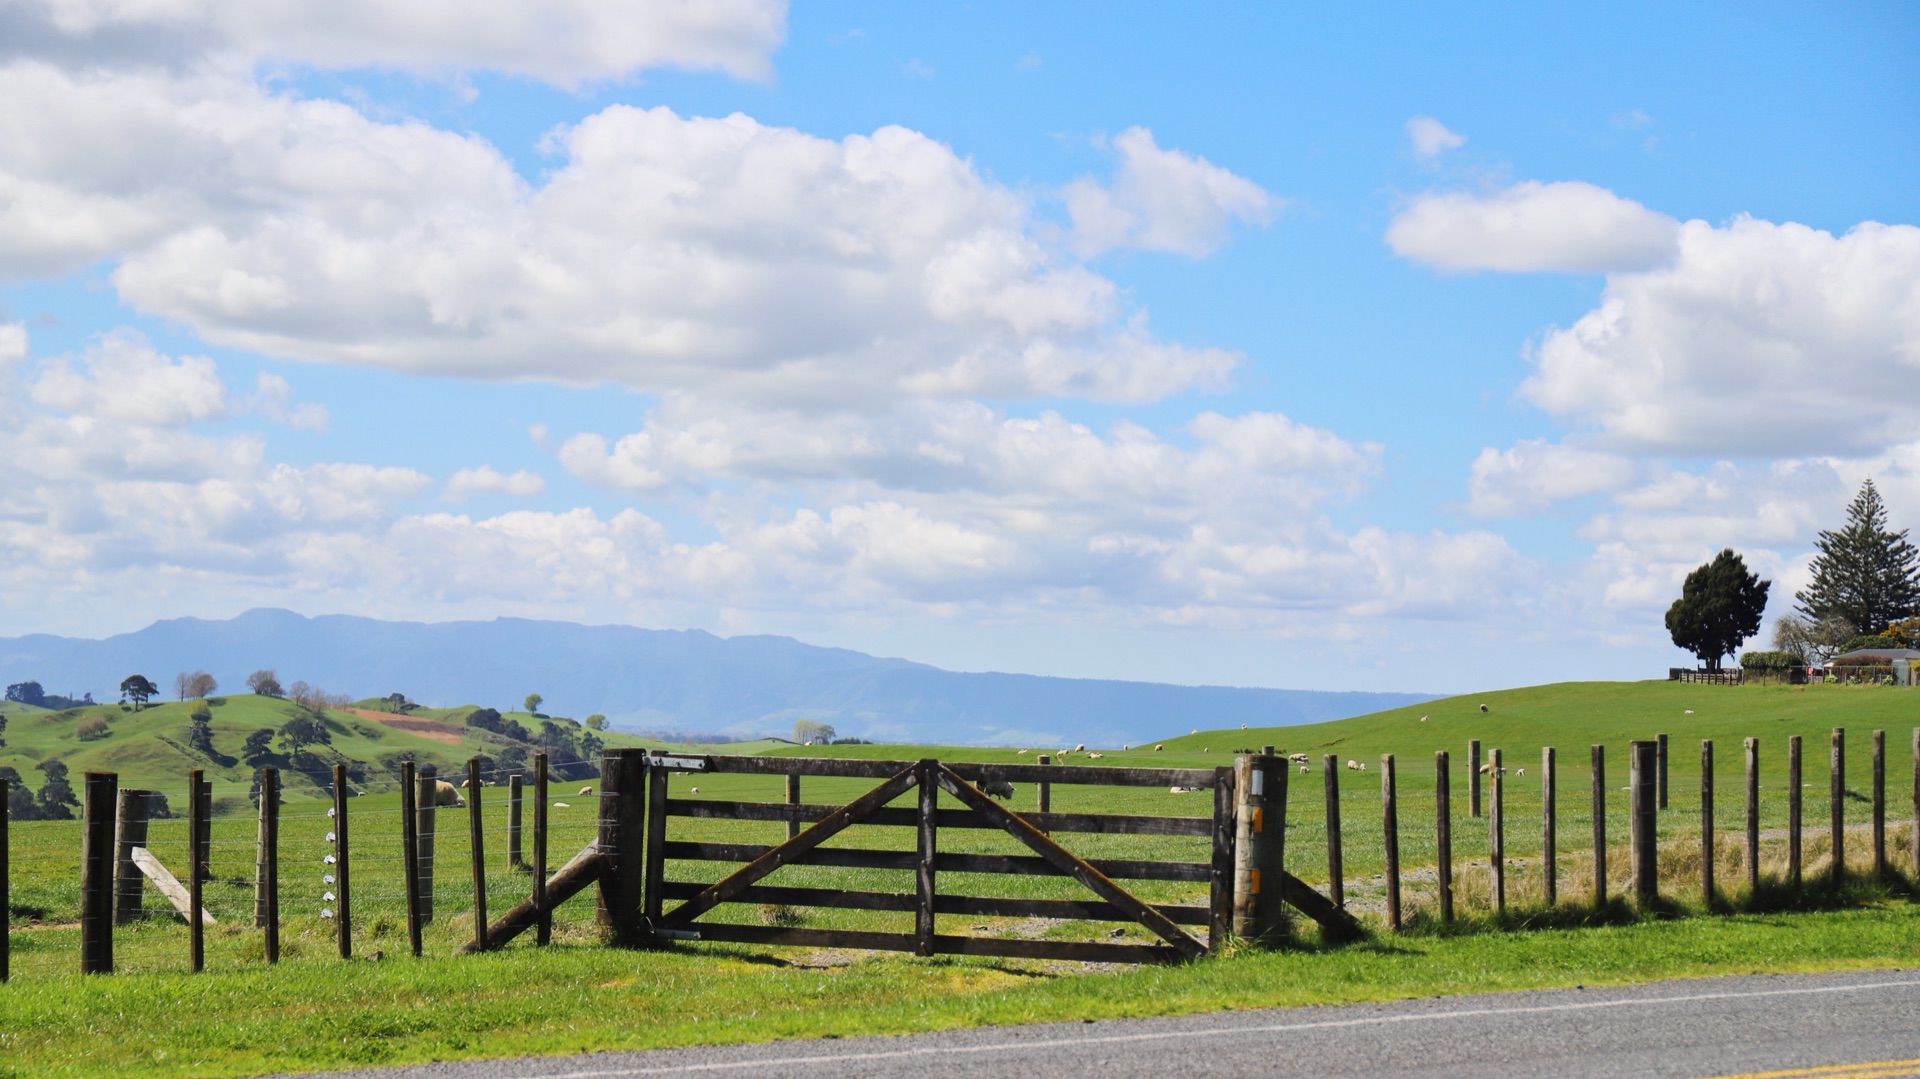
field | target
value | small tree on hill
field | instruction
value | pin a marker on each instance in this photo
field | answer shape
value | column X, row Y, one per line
column 258, row 747
column 1864, row 573
column 1719, row 606
column 265, row 683
column 20, row 803
column 139, row 689
column 303, row 731
column 807, row 732
column 201, row 684
column 533, row 702
column 3, row 728
column 200, row 731
column 596, row 722
column 56, row 800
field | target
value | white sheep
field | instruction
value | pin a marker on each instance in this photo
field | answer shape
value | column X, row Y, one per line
column 1095, row 756
column 693, row 790
column 1158, row 748
column 1523, row 771
column 446, row 794
column 1020, row 753
column 1483, row 708
column 1353, row 766
column 560, row 805
column 1303, row 769
column 1181, row 790
column 584, row 791
column 1081, row 748
column 1423, row 719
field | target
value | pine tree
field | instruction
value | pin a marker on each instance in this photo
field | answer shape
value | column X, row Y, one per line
column 1864, row 573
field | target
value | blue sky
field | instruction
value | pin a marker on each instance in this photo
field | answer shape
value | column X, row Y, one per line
column 1372, row 347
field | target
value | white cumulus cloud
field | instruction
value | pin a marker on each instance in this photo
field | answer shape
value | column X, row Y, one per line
column 1568, row 226
column 1163, row 200
column 1536, row 473
column 121, row 377
column 1430, row 138
column 486, row 480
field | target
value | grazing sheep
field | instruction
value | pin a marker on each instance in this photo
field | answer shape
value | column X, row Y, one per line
column 1483, row 708
column 1243, row 726
column 1523, row 771
column 584, row 791
column 1126, row 747
column 446, row 794
column 463, row 784
column 693, row 790
column 1158, row 748
column 1486, row 769
column 998, row 788
column 1303, row 769
column 1081, row 748
column 1353, row 766
column 1689, row 711
column 1020, row 753
column 1298, row 758
column 1181, row 790
column 1363, row 766
column 1095, row 756
column 1196, row 730
column 1423, row 719
column 560, row 805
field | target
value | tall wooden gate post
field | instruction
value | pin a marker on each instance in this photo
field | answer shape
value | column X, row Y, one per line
column 1443, row 832
column 270, row 857
column 1913, row 837
column 623, row 827
column 129, row 831
column 1753, row 813
column 1794, row 798
column 425, row 804
column 96, row 872
column 1660, row 759
column 1837, row 804
column 1643, row 768
column 477, row 854
column 543, row 928
column 927, row 855
column 410, row 856
column 196, row 896
column 6, row 931
column 342, row 872
column 1259, row 849
column 1879, row 805
column 1549, row 826
column 1336, row 870
column 1497, row 835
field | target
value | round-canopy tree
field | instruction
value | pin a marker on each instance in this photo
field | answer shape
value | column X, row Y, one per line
column 1719, row 606
column 1864, row 574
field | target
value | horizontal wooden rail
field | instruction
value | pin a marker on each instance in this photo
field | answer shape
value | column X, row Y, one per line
column 972, row 772
column 859, row 858
column 1103, row 823
column 1070, row 950
column 982, row 906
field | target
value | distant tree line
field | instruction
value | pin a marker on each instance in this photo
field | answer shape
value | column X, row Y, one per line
column 55, row 800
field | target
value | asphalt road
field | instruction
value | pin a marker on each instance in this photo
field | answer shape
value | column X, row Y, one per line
column 1854, row 1025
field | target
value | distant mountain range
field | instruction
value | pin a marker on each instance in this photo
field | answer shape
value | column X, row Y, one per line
column 646, row 679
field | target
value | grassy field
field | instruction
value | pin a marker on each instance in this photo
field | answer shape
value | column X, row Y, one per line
column 766, row 991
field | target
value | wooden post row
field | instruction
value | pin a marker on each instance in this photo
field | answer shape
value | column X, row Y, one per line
column 1598, row 766
column 515, row 859
column 1642, row 769
column 1879, row 805
column 342, row 863
column 1549, row 827
column 476, row 838
column 927, row 778
column 96, row 871
column 1390, row 828
column 1706, row 822
column 1220, row 891
column 1336, row 882
column 129, row 831
column 1497, row 835
column 1913, row 837
column 1793, row 811
column 6, row 918
column 1660, row 741
column 1837, row 805
column 426, row 823
column 1443, row 832
column 793, row 799
column 410, row 851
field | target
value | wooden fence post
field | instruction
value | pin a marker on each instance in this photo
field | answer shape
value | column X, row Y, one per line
column 6, row 918
column 342, row 873
column 543, row 928
column 1642, row 780
column 1336, row 883
column 1220, row 893
column 1706, row 822
column 1753, row 814
column 1473, row 777
column 476, row 839
column 1390, row 829
column 1598, row 766
column 129, row 831
column 410, row 848
column 1837, row 804
column 1660, row 741
column 623, row 825
column 1913, row 837
column 515, row 860
column 1879, row 805
column 1497, row 836
column 426, row 824
column 1045, row 790
column 1260, row 822
column 1443, row 832
column 96, row 872
column 927, row 855
column 1549, row 826
column 1794, row 795
column 270, row 857
column 793, row 799
column 196, row 896
column 656, row 878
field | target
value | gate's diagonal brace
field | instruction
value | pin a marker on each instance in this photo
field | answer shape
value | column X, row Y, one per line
column 792, row 850
column 572, row 879
column 1066, row 862
column 1337, row 923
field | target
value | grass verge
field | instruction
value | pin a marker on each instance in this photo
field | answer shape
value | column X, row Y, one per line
column 578, row 999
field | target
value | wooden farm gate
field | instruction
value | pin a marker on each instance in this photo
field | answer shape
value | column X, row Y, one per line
column 673, row 909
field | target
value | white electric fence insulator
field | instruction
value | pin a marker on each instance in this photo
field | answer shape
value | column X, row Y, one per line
column 326, row 878
column 329, row 812
column 328, row 860
column 326, row 897
column 325, row 913
column 330, row 837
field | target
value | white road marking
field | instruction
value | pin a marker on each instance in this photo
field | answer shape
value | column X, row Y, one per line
column 1263, row 1028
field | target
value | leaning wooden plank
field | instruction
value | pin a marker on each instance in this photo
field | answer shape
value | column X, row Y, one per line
column 175, row 892
column 1338, row 924
column 792, row 850
column 572, row 879
column 1092, row 823
column 1027, row 865
column 1081, row 951
column 804, row 938
column 1082, row 909
column 853, row 857
column 1071, row 865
